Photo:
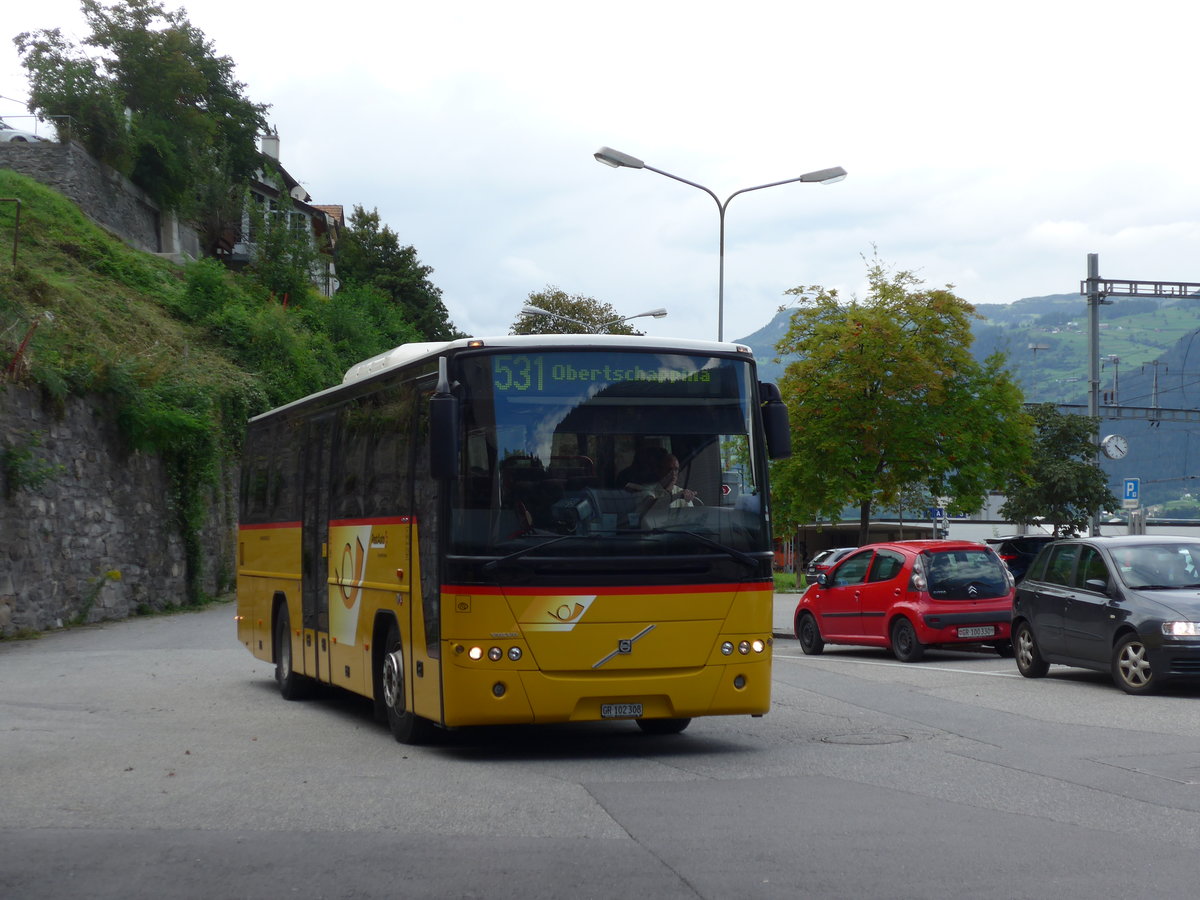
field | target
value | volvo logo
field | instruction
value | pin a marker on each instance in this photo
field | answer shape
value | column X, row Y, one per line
column 624, row 646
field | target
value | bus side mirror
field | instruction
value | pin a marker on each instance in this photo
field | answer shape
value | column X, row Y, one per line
column 776, row 426
column 443, row 436
column 443, row 427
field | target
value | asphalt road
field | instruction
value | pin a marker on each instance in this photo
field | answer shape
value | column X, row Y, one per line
column 154, row 759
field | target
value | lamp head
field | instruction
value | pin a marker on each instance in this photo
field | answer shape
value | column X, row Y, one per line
column 617, row 159
column 825, row 176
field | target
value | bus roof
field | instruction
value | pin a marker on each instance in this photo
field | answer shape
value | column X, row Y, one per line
column 410, row 353
column 407, row 353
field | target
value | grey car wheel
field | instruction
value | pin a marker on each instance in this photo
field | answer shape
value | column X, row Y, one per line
column 1131, row 668
column 1025, row 649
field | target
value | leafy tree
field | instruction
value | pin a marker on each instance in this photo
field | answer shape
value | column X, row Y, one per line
column 284, row 258
column 1061, row 483
column 884, row 395
column 369, row 255
column 157, row 103
column 572, row 314
column 72, row 87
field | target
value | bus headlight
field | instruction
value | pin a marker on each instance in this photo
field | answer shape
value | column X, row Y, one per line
column 727, row 648
column 744, row 647
column 475, row 653
column 495, row 654
column 514, row 653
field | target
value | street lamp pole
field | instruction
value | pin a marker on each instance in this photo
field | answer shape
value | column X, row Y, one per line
column 617, row 159
column 593, row 329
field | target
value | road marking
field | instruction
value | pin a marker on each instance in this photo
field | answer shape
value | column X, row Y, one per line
column 914, row 667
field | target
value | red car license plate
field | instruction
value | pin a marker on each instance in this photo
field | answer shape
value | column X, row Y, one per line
column 975, row 631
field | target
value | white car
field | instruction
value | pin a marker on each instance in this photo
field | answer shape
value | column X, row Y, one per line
column 8, row 133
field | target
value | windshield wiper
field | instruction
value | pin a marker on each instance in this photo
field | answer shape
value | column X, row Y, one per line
column 496, row 563
column 744, row 558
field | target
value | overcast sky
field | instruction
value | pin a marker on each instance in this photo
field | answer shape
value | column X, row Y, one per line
column 989, row 146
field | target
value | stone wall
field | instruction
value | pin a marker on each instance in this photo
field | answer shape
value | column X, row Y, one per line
column 107, row 197
column 86, row 532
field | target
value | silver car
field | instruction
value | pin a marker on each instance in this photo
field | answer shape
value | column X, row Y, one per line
column 8, row 133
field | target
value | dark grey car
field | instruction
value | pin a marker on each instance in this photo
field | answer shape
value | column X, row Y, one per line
column 1019, row 550
column 1126, row 605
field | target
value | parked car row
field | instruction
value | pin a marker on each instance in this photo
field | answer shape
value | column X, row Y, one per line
column 1125, row 605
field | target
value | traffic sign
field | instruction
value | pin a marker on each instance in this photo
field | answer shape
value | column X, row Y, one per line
column 1131, row 493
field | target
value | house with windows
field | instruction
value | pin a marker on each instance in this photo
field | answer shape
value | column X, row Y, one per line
column 276, row 193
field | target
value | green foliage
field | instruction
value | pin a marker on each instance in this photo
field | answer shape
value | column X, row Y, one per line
column 572, row 314
column 884, row 396
column 155, row 102
column 1061, row 485
column 96, row 585
column 22, row 469
column 369, row 255
column 786, row 582
column 359, row 322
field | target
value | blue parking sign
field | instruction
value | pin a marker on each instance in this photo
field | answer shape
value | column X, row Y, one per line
column 1131, row 491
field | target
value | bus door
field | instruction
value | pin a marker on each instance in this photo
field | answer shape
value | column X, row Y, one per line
column 318, row 444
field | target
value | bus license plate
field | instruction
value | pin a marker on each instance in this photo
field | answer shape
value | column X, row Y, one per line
column 977, row 631
column 620, row 710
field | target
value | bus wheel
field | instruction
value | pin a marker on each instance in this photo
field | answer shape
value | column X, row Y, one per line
column 407, row 727
column 663, row 726
column 292, row 685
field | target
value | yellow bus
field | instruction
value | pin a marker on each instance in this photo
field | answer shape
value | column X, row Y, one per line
column 522, row 529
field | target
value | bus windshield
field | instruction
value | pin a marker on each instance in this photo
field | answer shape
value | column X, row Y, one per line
column 608, row 454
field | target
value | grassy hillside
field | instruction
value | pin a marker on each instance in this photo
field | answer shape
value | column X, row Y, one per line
column 100, row 318
column 182, row 356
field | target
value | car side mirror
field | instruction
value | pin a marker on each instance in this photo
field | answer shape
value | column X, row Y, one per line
column 1097, row 584
column 822, row 579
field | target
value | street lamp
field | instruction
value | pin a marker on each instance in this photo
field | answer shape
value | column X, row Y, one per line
column 618, row 160
column 1034, row 348
column 593, row 329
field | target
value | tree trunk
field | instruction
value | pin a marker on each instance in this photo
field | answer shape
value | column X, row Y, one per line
column 864, row 523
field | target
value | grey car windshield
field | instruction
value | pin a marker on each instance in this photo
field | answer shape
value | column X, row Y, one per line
column 607, row 453
column 1159, row 565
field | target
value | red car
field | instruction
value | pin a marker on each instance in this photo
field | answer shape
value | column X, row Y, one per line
column 909, row 595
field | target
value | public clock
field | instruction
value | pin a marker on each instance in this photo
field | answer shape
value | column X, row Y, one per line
column 1115, row 446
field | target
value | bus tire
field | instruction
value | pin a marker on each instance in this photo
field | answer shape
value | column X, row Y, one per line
column 406, row 726
column 663, row 726
column 292, row 685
